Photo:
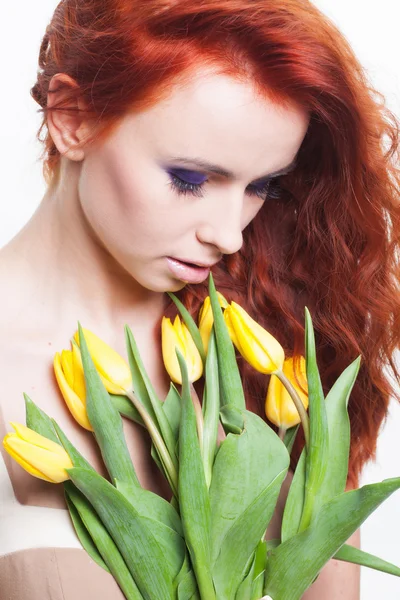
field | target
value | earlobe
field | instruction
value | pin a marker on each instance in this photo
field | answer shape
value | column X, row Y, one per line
column 65, row 124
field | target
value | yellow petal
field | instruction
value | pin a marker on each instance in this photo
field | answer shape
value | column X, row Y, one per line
column 222, row 300
column 180, row 337
column 192, row 355
column 67, row 366
column 256, row 344
column 279, row 406
column 76, row 405
column 79, row 385
column 39, row 461
column 204, row 310
column 168, row 345
column 107, row 361
column 231, row 330
column 174, row 336
column 35, row 439
column 25, row 465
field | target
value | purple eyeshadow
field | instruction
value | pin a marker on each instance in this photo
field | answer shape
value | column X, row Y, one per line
column 189, row 176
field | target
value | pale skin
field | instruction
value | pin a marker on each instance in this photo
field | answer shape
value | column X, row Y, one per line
column 95, row 251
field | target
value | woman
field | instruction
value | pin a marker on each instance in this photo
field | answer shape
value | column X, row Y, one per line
column 240, row 135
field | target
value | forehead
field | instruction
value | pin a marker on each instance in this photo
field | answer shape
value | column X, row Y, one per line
column 223, row 120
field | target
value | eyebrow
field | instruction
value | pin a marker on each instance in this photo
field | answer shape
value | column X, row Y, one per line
column 212, row 168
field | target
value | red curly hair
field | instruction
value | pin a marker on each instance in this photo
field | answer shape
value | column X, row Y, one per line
column 331, row 240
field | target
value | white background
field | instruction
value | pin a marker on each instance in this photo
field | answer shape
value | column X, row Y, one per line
column 372, row 29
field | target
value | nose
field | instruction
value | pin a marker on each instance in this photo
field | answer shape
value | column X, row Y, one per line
column 222, row 226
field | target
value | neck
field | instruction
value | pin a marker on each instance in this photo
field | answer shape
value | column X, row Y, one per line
column 58, row 257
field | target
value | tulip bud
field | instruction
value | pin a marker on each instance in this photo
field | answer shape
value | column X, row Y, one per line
column 113, row 369
column 38, row 455
column 177, row 335
column 258, row 347
column 279, row 406
column 206, row 319
column 68, row 370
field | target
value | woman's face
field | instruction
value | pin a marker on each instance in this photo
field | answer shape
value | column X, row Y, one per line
column 128, row 185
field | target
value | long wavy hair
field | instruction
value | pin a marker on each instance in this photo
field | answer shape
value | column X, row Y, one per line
column 331, row 240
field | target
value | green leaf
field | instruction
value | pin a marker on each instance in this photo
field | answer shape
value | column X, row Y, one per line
column 337, row 462
column 290, row 437
column 194, row 503
column 245, row 588
column 258, row 585
column 245, row 465
column 104, row 545
column 230, row 380
column 172, row 408
column 248, row 473
column 308, row 551
column 339, row 434
column 232, row 419
column 259, row 570
column 151, row 505
column 318, row 455
column 105, row 420
column 252, row 585
column 83, row 534
column 39, row 421
column 187, row 588
column 295, row 500
column 76, row 457
column 125, row 408
column 136, row 541
column 241, row 540
column 210, row 409
column 191, row 325
column 359, row 557
column 144, row 390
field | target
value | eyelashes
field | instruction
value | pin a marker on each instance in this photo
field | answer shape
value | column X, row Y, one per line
column 271, row 189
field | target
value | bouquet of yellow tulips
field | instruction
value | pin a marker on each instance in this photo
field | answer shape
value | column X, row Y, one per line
column 208, row 542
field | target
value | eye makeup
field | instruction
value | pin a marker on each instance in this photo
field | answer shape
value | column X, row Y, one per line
column 211, row 168
column 191, row 182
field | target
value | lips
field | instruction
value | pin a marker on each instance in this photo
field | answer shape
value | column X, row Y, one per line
column 187, row 272
column 191, row 263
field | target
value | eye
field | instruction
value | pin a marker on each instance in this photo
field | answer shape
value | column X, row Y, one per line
column 270, row 189
column 183, row 186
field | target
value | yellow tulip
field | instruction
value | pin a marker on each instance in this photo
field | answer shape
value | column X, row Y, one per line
column 279, row 406
column 206, row 319
column 68, row 370
column 113, row 369
column 174, row 336
column 255, row 344
column 38, row 455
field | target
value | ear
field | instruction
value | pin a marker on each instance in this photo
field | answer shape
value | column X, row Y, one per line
column 68, row 129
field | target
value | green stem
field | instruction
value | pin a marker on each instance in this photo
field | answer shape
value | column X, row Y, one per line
column 282, row 432
column 298, row 404
column 157, row 439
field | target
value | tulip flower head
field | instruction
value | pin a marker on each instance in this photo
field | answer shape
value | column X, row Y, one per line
column 279, row 406
column 38, row 455
column 258, row 347
column 68, row 370
column 206, row 318
column 177, row 335
column 113, row 369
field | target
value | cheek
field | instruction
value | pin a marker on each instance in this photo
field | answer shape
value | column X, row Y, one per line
column 128, row 206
